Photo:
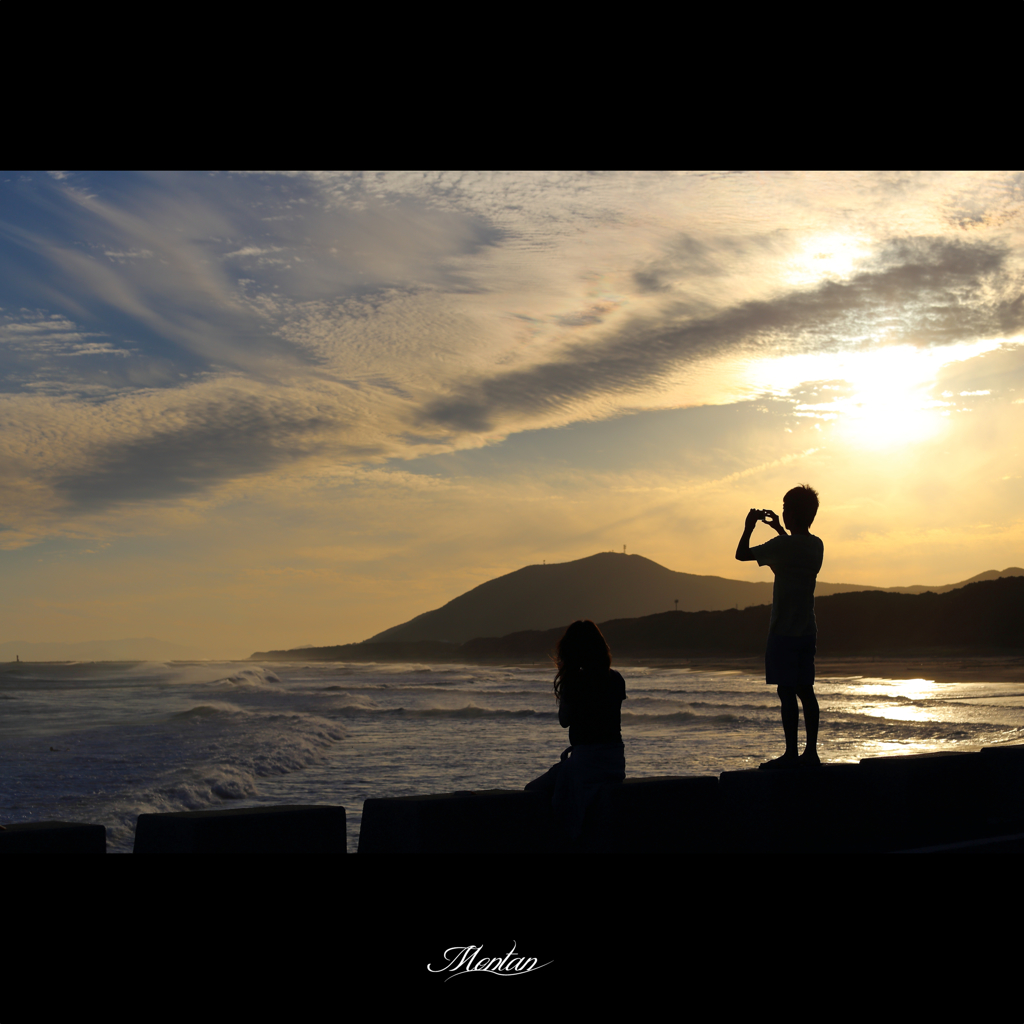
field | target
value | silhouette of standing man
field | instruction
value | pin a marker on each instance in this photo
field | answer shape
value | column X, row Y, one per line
column 795, row 558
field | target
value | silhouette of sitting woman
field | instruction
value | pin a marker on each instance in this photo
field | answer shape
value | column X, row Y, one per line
column 590, row 695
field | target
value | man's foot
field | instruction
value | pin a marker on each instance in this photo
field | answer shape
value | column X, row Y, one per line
column 809, row 759
column 784, row 762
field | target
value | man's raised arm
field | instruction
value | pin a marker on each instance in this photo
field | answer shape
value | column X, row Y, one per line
column 743, row 548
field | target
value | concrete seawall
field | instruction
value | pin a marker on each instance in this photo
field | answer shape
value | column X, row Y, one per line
column 956, row 803
column 53, row 837
column 661, row 815
column 300, row 829
column 965, row 802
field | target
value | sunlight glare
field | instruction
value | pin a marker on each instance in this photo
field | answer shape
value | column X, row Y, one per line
column 876, row 398
column 830, row 256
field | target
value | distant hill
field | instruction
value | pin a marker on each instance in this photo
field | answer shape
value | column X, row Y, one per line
column 982, row 577
column 979, row 618
column 601, row 587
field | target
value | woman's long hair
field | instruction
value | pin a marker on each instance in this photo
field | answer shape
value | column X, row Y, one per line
column 581, row 652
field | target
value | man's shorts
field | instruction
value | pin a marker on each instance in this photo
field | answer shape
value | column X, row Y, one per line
column 789, row 660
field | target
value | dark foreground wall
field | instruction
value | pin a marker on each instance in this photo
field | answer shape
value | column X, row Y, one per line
column 880, row 805
column 661, row 815
column 53, row 837
column 957, row 803
column 287, row 829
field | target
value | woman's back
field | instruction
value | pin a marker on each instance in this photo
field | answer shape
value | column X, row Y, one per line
column 590, row 695
column 590, row 706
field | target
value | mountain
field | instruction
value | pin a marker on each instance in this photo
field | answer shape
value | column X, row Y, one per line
column 982, row 577
column 605, row 586
column 977, row 619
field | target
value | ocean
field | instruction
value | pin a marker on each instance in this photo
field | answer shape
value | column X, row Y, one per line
column 105, row 742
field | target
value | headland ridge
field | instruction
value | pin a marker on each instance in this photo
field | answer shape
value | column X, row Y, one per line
column 979, row 619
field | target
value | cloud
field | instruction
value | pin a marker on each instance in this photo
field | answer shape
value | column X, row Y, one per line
column 233, row 437
column 192, row 441
column 686, row 257
column 64, row 457
column 211, row 328
column 191, row 266
column 927, row 291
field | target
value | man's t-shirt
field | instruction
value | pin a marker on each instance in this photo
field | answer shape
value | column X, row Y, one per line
column 795, row 559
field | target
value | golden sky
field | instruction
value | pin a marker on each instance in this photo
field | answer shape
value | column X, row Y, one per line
column 252, row 411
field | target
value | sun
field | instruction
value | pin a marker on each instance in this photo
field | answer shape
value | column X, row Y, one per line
column 889, row 405
column 871, row 399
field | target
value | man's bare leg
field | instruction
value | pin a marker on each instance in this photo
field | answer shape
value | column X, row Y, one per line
column 790, row 721
column 811, row 716
column 790, row 718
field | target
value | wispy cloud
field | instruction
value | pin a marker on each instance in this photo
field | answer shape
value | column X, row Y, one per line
column 918, row 291
column 187, row 331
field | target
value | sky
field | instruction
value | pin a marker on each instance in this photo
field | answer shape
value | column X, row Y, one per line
column 245, row 411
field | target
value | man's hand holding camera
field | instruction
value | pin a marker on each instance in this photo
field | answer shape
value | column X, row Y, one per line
column 755, row 516
column 763, row 515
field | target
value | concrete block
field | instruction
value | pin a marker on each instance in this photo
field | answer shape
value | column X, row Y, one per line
column 992, row 844
column 1002, row 769
column 490, row 821
column 53, row 837
column 822, row 810
column 927, row 799
column 668, row 815
column 660, row 815
column 287, row 829
column 882, row 804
